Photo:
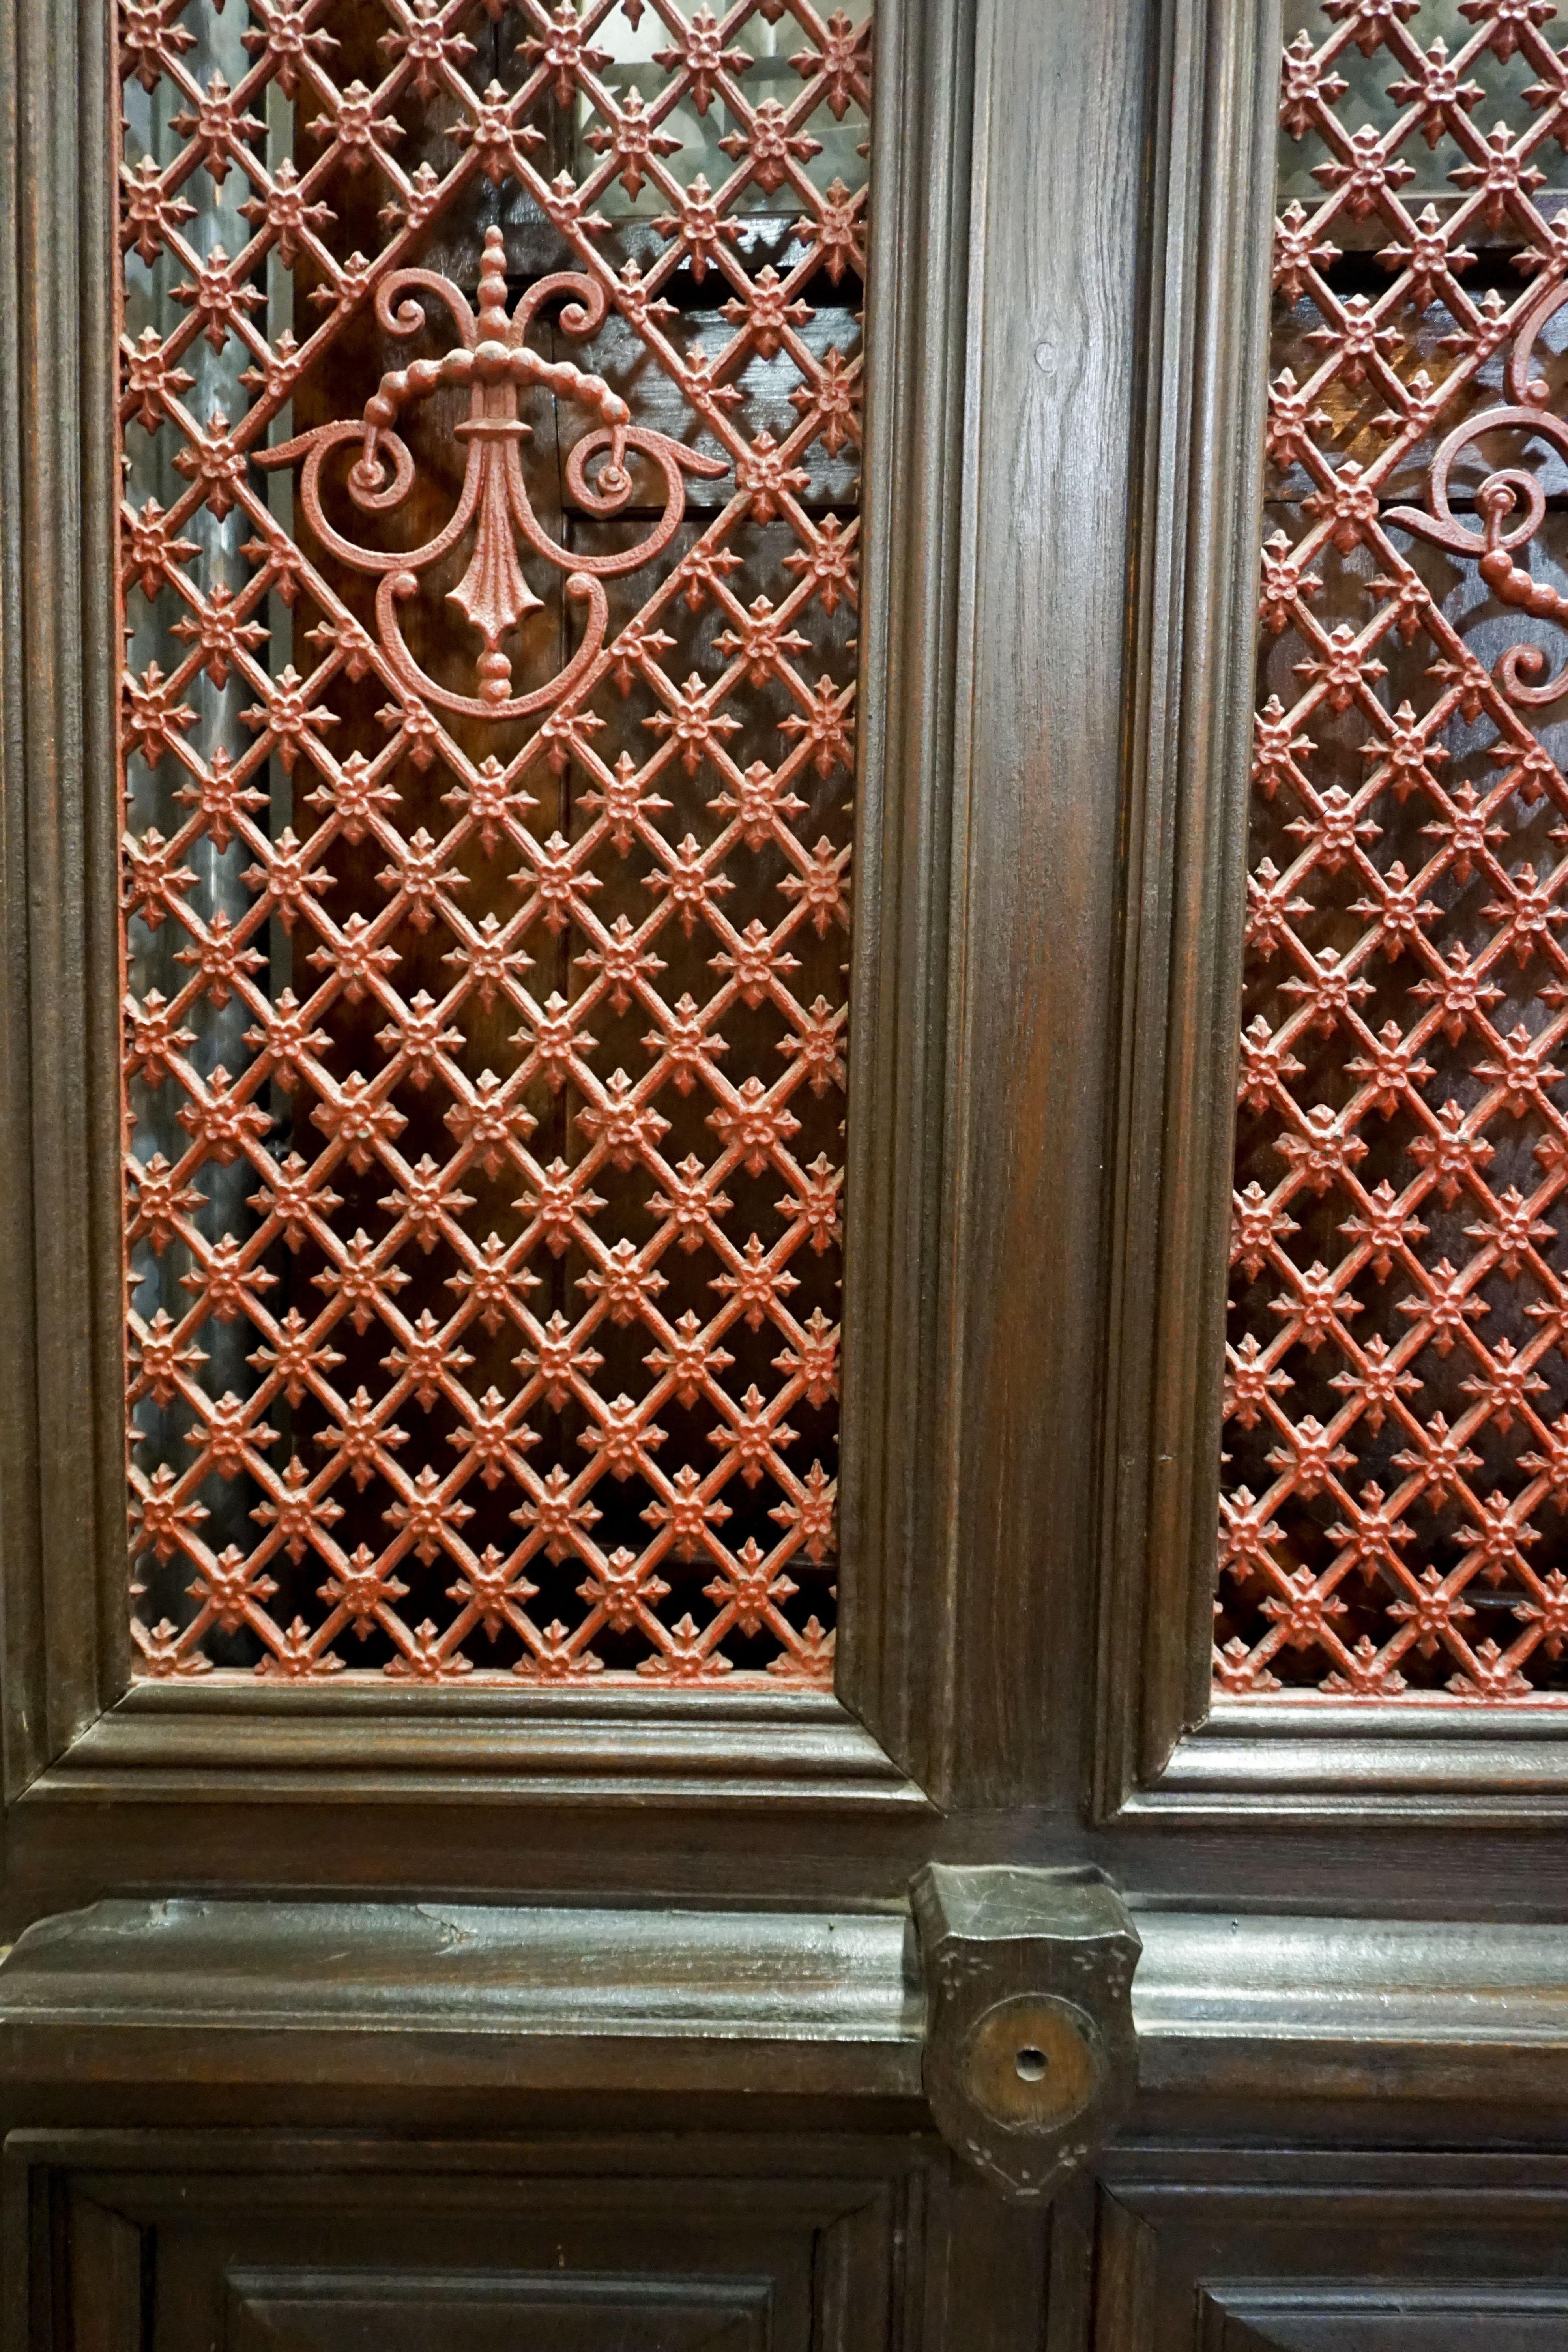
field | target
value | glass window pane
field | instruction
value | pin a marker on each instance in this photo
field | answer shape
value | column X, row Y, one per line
column 1396, row 1441
column 491, row 443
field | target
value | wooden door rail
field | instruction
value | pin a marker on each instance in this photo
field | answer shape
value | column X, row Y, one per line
column 332, row 2009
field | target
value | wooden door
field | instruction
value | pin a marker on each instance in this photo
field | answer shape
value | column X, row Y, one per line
column 636, row 735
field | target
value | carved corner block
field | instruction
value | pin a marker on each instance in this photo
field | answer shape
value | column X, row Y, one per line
column 1030, row 2054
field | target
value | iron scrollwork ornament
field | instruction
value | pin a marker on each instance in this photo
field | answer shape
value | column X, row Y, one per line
column 493, row 361
column 1507, row 491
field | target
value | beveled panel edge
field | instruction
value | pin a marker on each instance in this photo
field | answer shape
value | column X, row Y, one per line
column 635, row 2301
column 1347, row 2299
column 199, row 1742
column 897, row 1598
column 1191, row 584
column 1340, row 1764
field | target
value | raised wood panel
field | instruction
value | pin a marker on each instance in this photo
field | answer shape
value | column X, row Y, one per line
column 161, row 2239
column 106, row 2302
column 320, row 2255
column 1267, row 2251
column 251, row 2240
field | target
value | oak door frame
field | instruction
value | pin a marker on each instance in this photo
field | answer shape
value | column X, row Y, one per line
column 73, row 1725
column 1055, row 675
column 1164, row 1749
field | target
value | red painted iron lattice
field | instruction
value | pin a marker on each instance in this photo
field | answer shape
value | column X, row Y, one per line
column 1395, row 1480
column 491, row 382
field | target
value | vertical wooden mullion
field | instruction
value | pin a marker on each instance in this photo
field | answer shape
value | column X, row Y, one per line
column 48, row 292
column 65, row 616
column 98, row 377
column 1191, row 630
column 21, row 1590
column 893, row 1651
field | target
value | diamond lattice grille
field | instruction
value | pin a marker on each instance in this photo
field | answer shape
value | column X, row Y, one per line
column 1397, row 1435
column 490, row 429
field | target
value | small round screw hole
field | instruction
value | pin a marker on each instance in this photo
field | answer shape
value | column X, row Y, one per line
column 1030, row 2064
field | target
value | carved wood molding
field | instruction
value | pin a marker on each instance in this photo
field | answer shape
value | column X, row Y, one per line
column 1411, row 2013
column 456, row 1996
column 1417, row 2026
column 1289, row 2248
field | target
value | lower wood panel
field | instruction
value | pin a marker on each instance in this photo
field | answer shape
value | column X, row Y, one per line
column 324, row 2262
column 158, row 2241
column 235, row 2240
column 1250, row 2250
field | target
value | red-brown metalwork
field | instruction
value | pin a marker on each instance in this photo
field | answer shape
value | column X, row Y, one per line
column 1396, row 1433
column 486, row 863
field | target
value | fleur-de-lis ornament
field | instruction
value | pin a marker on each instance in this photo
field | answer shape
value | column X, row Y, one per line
column 492, row 360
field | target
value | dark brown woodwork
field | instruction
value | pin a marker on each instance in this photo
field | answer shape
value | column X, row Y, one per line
column 474, row 2010
column 168, row 2238
column 1301, row 2252
column 471, row 2047
column 78, row 1651
column 393, row 2017
column 291, row 2310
